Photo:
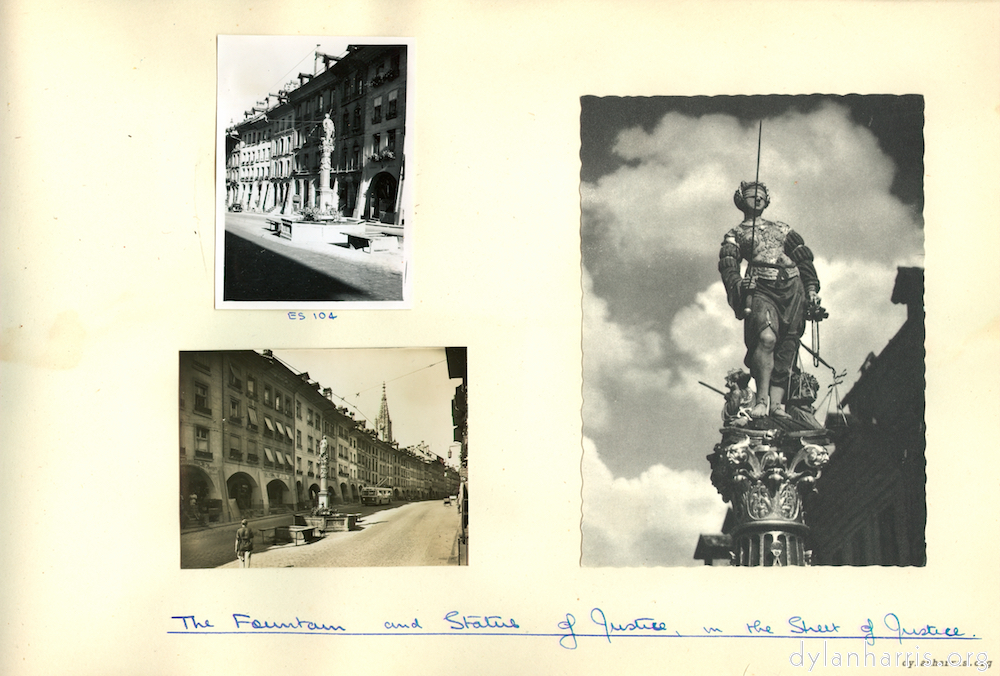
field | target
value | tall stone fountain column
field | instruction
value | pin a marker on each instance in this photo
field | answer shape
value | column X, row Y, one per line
column 325, row 194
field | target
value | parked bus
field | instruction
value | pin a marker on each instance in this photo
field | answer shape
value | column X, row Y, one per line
column 372, row 495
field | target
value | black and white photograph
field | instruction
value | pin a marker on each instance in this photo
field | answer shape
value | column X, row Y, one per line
column 709, row 288
column 324, row 458
column 757, row 409
column 313, row 143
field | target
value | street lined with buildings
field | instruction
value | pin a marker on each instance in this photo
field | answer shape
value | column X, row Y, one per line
column 331, row 140
column 264, row 442
column 322, row 157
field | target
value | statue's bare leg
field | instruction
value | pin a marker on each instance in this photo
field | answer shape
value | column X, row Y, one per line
column 761, row 366
column 777, row 396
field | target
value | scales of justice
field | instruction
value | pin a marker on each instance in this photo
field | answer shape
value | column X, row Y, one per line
column 772, row 449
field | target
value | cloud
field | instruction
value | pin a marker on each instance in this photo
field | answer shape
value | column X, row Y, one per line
column 615, row 356
column 709, row 334
column 827, row 176
column 652, row 520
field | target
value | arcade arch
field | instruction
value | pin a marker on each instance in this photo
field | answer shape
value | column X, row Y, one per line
column 242, row 488
column 381, row 203
column 277, row 494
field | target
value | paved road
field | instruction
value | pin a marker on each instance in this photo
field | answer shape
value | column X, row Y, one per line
column 213, row 546
column 415, row 534
column 261, row 266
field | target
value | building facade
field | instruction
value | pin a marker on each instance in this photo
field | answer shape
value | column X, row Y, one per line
column 870, row 505
column 251, row 432
column 331, row 141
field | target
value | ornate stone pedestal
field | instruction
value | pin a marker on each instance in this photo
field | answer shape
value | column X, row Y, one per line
column 763, row 474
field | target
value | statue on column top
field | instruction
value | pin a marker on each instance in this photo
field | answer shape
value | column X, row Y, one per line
column 328, row 128
column 774, row 298
column 322, row 458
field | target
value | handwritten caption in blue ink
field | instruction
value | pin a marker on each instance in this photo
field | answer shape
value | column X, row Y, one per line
column 797, row 627
column 596, row 624
column 243, row 623
column 303, row 316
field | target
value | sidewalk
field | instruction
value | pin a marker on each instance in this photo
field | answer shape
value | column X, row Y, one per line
column 260, row 265
column 388, row 260
column 212, row 545
column 356, row 548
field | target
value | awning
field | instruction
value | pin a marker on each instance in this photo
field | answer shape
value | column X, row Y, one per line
column 281, row 429
column 252, row 412
column 267, row 421
column 288, row 433
column 267, row 452
column 280, row 456
column 288, row 461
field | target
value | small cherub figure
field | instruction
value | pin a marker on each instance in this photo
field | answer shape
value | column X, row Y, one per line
column 739, row 399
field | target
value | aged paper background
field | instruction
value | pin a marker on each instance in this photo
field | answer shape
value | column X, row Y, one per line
column 108, row 169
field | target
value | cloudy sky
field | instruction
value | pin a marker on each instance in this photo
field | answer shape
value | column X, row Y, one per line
column 657, row 181
column 418, row 390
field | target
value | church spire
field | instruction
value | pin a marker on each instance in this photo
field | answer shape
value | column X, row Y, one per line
column 383, row 424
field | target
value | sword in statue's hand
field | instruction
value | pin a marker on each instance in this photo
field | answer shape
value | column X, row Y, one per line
column 748, row 289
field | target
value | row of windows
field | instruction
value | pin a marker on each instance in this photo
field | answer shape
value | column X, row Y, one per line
column 312, row 109
column 287, row 144
column 391, row 107
column 382, row 148
column 273, row 458
column 273, row 428
column 251, row 156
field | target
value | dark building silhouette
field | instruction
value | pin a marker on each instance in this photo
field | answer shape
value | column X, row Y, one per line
column 870, row 504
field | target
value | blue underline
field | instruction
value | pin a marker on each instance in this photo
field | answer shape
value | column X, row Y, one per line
column 802, row 637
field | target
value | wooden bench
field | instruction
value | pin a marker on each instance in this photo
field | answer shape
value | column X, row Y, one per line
column 274, row 534
column 370, row 242
column 296, row 534
column 363, row 242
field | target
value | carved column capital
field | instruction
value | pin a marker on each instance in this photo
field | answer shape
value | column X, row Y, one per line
column 764, row 474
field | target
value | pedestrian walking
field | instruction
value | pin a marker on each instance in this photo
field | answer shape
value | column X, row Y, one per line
column 244, row 544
